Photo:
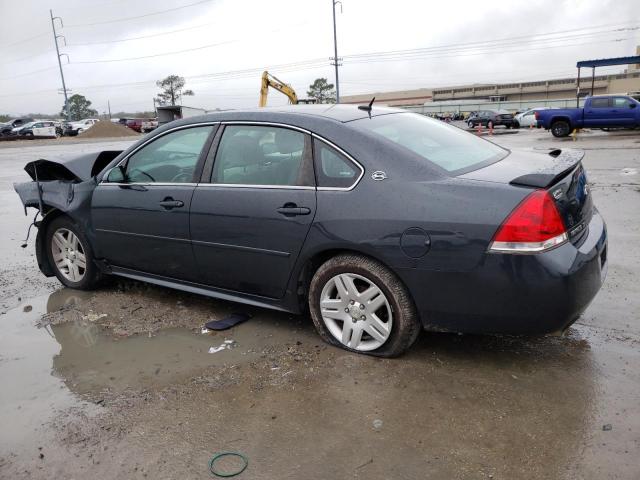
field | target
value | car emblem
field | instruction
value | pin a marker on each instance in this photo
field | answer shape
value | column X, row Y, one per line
column 379, row 175
column 557, row 194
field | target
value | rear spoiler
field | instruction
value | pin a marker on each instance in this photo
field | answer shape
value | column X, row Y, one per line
column 566, row 161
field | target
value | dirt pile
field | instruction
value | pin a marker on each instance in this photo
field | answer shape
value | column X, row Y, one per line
column 107, row 129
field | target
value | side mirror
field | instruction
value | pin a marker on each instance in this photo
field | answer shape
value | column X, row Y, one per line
column 632, row 105
column 115, row 175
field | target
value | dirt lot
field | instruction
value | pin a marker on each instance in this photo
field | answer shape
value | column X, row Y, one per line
column 118, row 383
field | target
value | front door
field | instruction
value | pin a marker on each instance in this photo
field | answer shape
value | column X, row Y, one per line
column 140, row 212
column 622, row 113
column 249, row 223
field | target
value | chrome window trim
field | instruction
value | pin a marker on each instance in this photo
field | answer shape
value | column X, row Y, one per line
column 152, row 184
column 244, row 185
column 350, row 158
column 270, row 124
column 150, row 140
column 257, row 123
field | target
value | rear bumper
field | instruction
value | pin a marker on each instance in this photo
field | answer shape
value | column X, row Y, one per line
column 514, row 294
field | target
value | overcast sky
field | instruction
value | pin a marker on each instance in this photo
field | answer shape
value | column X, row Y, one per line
column 466, row 41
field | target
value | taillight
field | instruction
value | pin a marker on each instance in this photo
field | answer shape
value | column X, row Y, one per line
column 534, row 226
column 535, row 114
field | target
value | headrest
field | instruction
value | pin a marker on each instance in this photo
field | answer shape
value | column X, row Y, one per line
column 289, row 141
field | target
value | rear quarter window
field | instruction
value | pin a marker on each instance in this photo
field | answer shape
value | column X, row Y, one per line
column 445, row 146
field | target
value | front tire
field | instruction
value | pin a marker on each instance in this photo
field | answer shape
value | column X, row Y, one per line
column 358, row 304
column 70, row 255
column 516, row 124
column 560, row 128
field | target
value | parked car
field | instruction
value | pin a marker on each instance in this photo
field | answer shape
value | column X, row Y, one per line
column 380, row 222
column 491, row 118
column 7, row 127
column 39, row 129
column 76, row 128
column 601, row 111
column 526, row 118
column 149, row 125
column 135, row 124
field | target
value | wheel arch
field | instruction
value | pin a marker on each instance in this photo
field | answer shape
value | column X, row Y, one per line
column 310, row 265
column 41, row 247
column 560, row 118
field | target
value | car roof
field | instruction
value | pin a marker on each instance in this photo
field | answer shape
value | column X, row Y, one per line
column 337, row 112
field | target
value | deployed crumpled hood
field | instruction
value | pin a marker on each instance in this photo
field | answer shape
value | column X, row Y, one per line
column 71, row 168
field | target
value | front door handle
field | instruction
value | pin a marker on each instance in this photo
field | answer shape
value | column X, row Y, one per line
column 291, row 210
column 169, row 203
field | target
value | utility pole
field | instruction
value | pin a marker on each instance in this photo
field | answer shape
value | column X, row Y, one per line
column 55, row 39
column 109, row 107
column 335, row 48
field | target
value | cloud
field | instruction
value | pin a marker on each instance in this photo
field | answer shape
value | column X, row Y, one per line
column 256, row 34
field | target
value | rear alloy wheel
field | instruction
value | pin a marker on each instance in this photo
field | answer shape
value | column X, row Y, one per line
column 358, row 304
column 70, row 255
column 560, row 128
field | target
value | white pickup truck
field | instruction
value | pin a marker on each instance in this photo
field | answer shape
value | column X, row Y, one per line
column 76, row 128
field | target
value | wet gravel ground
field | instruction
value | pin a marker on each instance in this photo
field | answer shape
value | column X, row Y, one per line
column 118, row 383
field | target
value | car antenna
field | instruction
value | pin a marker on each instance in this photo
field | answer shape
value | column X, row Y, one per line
column 367, row 108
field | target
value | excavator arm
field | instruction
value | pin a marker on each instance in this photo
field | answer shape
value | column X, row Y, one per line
column 269, row 80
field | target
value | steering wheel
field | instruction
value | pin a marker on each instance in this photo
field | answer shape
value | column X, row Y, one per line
column 142, row 172
column 185, row 175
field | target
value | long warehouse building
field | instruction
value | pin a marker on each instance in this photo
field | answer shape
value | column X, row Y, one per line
column 564, row 88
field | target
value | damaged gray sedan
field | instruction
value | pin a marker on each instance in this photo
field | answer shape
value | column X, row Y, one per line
column 379, row 222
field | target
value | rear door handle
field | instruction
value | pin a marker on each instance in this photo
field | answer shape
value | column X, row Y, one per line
column 169, row 203
column 290, row 211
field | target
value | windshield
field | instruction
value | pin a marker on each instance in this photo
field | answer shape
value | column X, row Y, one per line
column 448, row 147
column 26, row 125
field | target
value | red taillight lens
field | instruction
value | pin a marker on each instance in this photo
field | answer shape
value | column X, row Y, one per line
column 535, row 114
column 534, row 226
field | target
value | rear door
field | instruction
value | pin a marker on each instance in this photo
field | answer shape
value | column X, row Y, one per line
column 252, row 212
column 140, row 212
column 598, row 112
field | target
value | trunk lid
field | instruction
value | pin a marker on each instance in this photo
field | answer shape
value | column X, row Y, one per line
column 560, row 172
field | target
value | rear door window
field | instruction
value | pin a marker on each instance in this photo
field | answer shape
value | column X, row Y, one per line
column 445, row 146
column 599, row 102
column 263, row 155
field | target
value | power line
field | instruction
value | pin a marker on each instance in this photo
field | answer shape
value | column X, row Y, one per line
column 24, row 40
column 126, row 19
column 156, row 55
column 28, row 73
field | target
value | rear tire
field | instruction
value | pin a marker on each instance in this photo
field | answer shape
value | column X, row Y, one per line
column 560, row 128
column 70, row 255
column 383, row 323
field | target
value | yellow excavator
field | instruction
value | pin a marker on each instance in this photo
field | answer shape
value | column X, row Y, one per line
column 269, row 80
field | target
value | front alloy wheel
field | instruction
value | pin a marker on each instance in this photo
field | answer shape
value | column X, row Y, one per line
column 356, row 312
column 68, row 255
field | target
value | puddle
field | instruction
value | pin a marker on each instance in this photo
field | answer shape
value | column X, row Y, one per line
column 30, row 395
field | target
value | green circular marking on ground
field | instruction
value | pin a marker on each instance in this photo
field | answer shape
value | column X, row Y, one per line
column 220, row 455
